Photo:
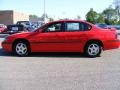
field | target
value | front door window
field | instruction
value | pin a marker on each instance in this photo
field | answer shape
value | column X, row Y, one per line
column 54, row 27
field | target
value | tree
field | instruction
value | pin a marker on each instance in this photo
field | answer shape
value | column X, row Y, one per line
column 110, row 15
column 92, row 16
column 33, row 16
column 118, row 22
column 117, row 7
column 78, row 17
column 100, row 18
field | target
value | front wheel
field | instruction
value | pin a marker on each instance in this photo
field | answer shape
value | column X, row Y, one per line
column 93, row 49
column 21, row 48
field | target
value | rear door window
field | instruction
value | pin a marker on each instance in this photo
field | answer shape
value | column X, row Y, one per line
column 72, row 27
column 77, row 26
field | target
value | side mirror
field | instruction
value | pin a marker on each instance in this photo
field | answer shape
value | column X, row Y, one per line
column 42, row 30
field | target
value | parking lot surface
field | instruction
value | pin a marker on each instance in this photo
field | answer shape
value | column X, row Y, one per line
column 61, row 71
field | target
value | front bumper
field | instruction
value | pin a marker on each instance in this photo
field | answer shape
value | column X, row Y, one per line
column 7, row 46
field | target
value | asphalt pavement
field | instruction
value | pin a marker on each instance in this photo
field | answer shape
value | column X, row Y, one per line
column 60, row 71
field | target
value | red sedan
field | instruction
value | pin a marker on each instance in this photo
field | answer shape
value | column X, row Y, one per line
column 63, row 36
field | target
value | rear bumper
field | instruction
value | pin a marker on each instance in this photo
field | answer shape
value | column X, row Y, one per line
column 111, row 44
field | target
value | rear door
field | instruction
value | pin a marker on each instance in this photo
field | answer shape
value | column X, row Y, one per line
column 74, row 37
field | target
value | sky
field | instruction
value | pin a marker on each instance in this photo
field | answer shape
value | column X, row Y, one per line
column 56, row 8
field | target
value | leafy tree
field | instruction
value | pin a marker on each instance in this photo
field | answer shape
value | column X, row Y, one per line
column 78, row 17
column 33, row 16
column 100, row 18
column 118, row 22
column 92, row 16
column 110, row 15
column 117, row 7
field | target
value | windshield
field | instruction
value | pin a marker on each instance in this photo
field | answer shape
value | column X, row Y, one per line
column 41, row 27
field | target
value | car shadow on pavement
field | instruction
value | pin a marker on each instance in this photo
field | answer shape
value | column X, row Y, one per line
column 46, row 54
column 58, row 54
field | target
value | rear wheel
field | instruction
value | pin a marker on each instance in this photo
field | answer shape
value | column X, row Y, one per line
column 93, row 49
column 21, row 48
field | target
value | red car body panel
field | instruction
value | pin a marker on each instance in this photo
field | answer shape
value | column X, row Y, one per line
column 63, row 41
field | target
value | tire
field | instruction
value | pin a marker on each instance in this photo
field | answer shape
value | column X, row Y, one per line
column 93, row 49
column 21, row 48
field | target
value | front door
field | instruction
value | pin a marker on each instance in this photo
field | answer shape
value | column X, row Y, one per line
column 48, row 40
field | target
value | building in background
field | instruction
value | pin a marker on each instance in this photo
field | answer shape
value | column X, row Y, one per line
column 11, row 17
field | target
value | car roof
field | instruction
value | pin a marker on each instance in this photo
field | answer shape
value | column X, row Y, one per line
column 70, row 21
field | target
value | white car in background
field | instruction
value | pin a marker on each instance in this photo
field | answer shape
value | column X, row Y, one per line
column 2, row 28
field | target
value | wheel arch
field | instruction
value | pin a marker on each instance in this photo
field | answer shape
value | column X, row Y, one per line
column 94, row 40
